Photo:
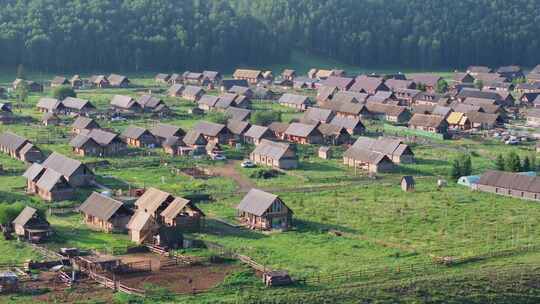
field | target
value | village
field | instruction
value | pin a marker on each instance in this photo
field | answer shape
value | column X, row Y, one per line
column 205, row 183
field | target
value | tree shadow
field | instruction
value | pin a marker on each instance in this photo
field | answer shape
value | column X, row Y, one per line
column 11, row 197
column 214, row 227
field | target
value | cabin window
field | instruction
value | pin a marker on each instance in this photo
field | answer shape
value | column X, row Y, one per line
column 276, row 207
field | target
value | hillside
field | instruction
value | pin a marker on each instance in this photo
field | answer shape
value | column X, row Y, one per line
column 168, row 35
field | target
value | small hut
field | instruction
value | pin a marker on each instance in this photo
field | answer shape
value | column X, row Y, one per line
column 325, row 153
column 407, row 183
column 9, row 282
column 50, row 119
column 277, row 278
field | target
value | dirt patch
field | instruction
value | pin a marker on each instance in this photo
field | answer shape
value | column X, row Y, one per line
column 230, row 170
column 194, row 172
column 57, row 292
column 188, row 279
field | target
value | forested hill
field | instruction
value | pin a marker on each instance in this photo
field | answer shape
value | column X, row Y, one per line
column 177, row 34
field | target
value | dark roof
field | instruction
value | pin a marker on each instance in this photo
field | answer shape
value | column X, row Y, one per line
column 134, row 132
column 466, row 93
column 192, row 136
column 294, row 99
column 427, row 79
column 347, row 122
column 426, row 120
column 237, row 127
column 317, row 115
column 300, row 129
column 238, row 113
column 256, row 202
column 256, row 132
column 82, row 122
column 12, row 141
column 166, row 130
column 25, row 216
column 387, row 146
column 366, row 156
column 62, row 164
column 209, row 128
column 76, row 103
column 124, row 102
column 512, row 181
column 408, row 179
column 100, row 206
column 49, row 103
column 229, row 83
column 342, row 83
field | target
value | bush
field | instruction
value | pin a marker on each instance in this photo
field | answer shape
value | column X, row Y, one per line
column 265, row 173
column 62, row 92
column 264, row 118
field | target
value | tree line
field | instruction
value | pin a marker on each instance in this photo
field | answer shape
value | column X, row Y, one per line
column 197, row 34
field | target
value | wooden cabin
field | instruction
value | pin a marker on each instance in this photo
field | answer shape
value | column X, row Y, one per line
column 274, row 154
column 303, row 134
column 264, row 211
column 407, row 183
column 105, row 214
column 139, row 137
column 370, row 161
column 31, row 226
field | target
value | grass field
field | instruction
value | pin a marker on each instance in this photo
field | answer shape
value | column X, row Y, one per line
column 344, row 220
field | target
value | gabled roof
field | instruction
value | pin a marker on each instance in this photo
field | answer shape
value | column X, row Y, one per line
column 49, row 103
column 240, row 90
column 331, row 129
column 166, row 130
column 124, row 102
column 149, row 101
column 387, row 109
column 342, row 83
column 176, row 206
column 82, row 122
column 394, row 84
column 100, row 206
column 62, row 164
column 50, row 178
column 294, row 99
column 347, row 122
column 317, row 115
column 208, row 100
column 367, row 156
column 275, row 150
column 300, row 129
column 191, row 91
column 256, row 132
column 345, row 107
column 237, row 127
column 115, row 79
column 59, row 80
column 76, row 103
column 387, row 146
column 12, row 141
column 482, row 118
column 134, row 132
column 426, row 120
column 25, row 216
column 193, row 137
column 368, row 84
column 350, row 97
column 139, row 220
column 209, row 128
column 479, row 69
column 512, row 181
column 427, row 79
column 245, row 73
column 441, row 111
column 256, row 202
column 466, row 93
column 33, row 172
column 278, row 127
column 152, row 199
column 239, row 114
column 211, row 75
column 325, row 92
column 176, row 89
column 101, row 137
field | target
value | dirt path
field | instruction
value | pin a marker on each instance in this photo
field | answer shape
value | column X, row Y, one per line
column 230, row 170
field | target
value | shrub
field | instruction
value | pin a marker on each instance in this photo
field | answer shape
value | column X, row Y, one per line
column 62, row 92
column 265, row 173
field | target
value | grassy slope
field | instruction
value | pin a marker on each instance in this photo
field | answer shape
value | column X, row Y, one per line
column 383, row 226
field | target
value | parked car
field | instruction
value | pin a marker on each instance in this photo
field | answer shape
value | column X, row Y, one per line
column 218, row 157
column 247, row 164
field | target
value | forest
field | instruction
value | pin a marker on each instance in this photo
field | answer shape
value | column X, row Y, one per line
column 141, row 35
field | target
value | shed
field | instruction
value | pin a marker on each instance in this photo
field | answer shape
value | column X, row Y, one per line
column 407, row 183
column 9, row 282
column 325, row 153
column 265, row 211
column 469, row 181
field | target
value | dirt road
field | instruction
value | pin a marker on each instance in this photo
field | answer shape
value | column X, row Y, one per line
column 230, row 170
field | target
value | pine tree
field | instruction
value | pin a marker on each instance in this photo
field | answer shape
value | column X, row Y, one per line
column 499, row 163
column 513, row 163
column 455, row 171
column 526, row 167
column 466, row 167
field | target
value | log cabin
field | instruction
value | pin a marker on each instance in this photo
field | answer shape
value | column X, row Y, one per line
column 30, row 225
column 274, row 154
column 103, row 213
column 261, row 210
